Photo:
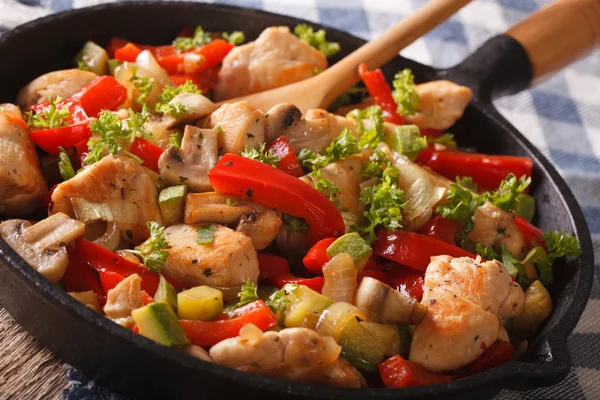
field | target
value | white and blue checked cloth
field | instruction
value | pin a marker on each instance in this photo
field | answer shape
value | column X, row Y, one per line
column 561, row 117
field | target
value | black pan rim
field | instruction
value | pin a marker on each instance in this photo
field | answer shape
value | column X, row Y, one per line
column 510, row 371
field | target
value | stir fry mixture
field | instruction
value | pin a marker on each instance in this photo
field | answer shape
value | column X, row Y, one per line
column 349, row 247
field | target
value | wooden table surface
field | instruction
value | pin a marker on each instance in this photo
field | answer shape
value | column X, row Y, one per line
column 22, row 357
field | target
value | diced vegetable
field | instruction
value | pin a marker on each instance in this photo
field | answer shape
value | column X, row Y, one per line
column 407, row 140
column 339, row 278
column 538, row 305
column 354, row 245
column 407, row 281
column 315, row 284
column 304, row 303
column 271, row 265
column 50, row 140
column 360, row 347
column 334, row 319
column 317, row 256
column 166, row 293
column 442, row 229
column 111, row 66
column 103, row 93
column 381, row 93
column 109, row 279
column 147, row 151
column 396, row 372
column 158, row 322
column 202, row 302
column 79, row 277
column 529, row 232
column 129, row 52
column 288, row 162
column 93, row 58
column 387, row 334
column 171, row 202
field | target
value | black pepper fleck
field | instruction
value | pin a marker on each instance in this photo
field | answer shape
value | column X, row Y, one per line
column 207, row 272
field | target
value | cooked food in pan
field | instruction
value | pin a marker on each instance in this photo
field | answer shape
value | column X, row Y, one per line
column 354, row 246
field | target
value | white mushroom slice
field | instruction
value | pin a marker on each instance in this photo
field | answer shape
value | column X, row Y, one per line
column 114, row 189
column 225, row 263
column 195, row 106
column 63, row 83
column 190, row 164
column 43, row 245
column 124, row 298
column 441, row 104
column 383, row 304
column 22, row 185
column 255, row 220
column 239, row 125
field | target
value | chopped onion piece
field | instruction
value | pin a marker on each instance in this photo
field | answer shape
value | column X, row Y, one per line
column 335, row 317
column 340, row 278
column 110, row 239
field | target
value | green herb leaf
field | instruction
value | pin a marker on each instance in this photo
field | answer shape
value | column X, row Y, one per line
column 262, row 155
column 294, row 224
column 205, row 234
column 82, row 65
column 64, row 165
column 486, row 253
column 200, row 38
column 385, row 202
column 169, row 92
column 510, row 188
column 369, row 123
column 461, row 205
column 467, row 183
column 278, row 303
column 152, row 250
column 514, row 267
column 248, row 293
column 375, row 166
column 317, row 39
column 173, row 109
column 51, row 118
column 236, row 37
column 175, row 138
column 144, row 86
column 405, row 93
column 407, row 140
column 561, row 244
column 230, row 202
column 135, row 123
column 325, row 186
column 447, row 139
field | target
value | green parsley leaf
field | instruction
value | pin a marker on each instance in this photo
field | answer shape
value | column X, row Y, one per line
column 369, row 123
column 50, row 118
column 317, row 39
column 169, row 92
column 175, row 138
column 278, row 303
column 561, row 244
column 144, row 86
column 461, row 205
column 486, row 253
column 64, row 165
column 407, row 140
column 514, row 267
column 325, row 186
column 467, row 183
column 354, row 95
column 344, row 146
column 111, row 131
column 405, row 93
column 230, row 202
column 374, row 167
column 82, row 65
column 447, row 139
column 248, row 293
column 510, row 188
column 260, row 154
column 294, row 224
column 200, row 38
column 173, row 109
column 152, row 250
column 135, row 123
column 236, row 37
column 205, row 234
column 385, row 202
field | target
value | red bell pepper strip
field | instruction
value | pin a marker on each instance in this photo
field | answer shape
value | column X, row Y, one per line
column 396, row 372
column 486, row 170
column 206, row 334
column 103, row 93
column 102, row 259
column 214, row 52
column 288, row 162
column 271, row 265
column 412, row 249
column 129, row 52
column 373, row 265
column 408, row 281
column 317, row 256
column 50, row 140
column 114, row 44
column 431, row 133
column 240, row 176
column 529, row 231
column 497, row 354
column 441, row 228
column 381, row 93
column 79, row 277
column 147, row 151
column 315, row 284
column 109, row 279
column 379, row 275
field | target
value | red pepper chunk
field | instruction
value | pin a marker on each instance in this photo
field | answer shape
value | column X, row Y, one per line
column 408, row 281
column 486, row 170
column 207, row 334
column 129, row 52
column 79, row 277
column 240, row 176
column 288, row 162
column 271, row 265
column 50, row 140
column 396, row 372
column 414, row 250
column 110, row 279
column 214, row 52
column 147, row 151
column 315, row 284
column 497, row 354
column 317, row 256
column 442, row 229
column 381, row 93
column 103, row 93
column 529, row 232
column 115, row 44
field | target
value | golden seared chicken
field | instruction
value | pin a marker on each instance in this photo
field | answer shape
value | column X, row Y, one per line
column 299, row 354
column 124, row 298
column 114, row 189
column 239, row 125
column 495, row 227
column 276, row 58
column 467, row 300
column 224, row 263
column 22, row 185
column 441, row 104
column 63, row 83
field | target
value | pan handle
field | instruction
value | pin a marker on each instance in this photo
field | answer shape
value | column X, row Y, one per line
column 532, row 50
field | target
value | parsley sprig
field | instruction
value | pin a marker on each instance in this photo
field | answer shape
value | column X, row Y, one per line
column 317, row 39
column 405, row 93
column 261, row 154
column 344, row 146
column 51, row 118
column 200, row 38
column 64, row 165
column 152, row 250
column 236, row 37
column 369, row 124
column 144, row 85
column 248, row 293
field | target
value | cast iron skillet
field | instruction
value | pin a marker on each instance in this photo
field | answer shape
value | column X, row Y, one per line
column 137, row 367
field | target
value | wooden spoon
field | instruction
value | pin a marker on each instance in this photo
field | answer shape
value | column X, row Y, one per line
column 321, row 90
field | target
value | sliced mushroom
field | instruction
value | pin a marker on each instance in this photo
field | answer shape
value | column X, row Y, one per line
column 189, row 164
column 383, row 304
column 254, row 219
column 286, row 120
column 63, row 83
column 43, row 245
column 195, row 105
column 239, row 124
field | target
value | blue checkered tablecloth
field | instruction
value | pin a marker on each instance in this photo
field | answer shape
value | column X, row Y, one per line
column 561, row 117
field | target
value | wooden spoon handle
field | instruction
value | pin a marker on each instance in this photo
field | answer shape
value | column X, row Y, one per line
column 344, row 74
column 559, row 34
